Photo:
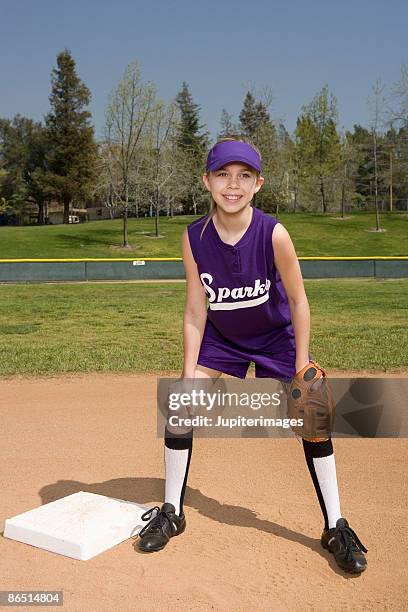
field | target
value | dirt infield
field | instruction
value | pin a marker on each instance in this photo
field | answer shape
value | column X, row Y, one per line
column 253, row 521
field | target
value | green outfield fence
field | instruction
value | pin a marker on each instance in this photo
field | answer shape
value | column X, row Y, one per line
column 166, row 268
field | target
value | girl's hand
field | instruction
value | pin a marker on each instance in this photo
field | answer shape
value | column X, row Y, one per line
column 179, row 388
column 181, row 385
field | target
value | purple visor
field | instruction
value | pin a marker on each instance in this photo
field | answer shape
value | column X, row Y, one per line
column 233, row 151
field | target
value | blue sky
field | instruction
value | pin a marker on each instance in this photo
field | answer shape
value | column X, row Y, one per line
column 220, row 48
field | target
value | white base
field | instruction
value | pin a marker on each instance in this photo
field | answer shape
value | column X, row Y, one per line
column 80, row 525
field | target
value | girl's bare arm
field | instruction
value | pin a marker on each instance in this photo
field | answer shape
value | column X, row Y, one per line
column 195, row 311
column 287, row 263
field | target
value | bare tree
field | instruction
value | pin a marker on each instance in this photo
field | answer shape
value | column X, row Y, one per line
column 107, row 184
column 180, row 181
column 399, row 113
column 377, row 105
column 129, row 109
column 163, row 122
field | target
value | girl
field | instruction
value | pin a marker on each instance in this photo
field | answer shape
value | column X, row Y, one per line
column 266, row 320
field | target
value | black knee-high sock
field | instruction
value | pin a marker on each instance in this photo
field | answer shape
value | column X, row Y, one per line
column 322, row 468
column 177, row 456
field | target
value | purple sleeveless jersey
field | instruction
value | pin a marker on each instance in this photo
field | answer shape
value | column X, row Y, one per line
column 248, row 305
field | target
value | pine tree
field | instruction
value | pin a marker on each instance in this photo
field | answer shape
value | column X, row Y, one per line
column 193, row 142
column 72, row 155
column 227, row 124
column 248, row 116
column 189, row 133
column 255, row 124
column 262, row 115
column 253, row 117
column 360, row 139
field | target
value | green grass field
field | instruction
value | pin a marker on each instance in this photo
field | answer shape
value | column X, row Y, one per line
column 119, row 327
column 312, row 235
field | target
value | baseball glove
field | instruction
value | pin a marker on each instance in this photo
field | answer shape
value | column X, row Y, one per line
column 310, row 398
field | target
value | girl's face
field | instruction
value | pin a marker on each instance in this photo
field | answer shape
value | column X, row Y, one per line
column 233, row 186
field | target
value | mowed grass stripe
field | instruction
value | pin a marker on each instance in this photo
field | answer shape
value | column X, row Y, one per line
column 115, row 327
column 313, row 235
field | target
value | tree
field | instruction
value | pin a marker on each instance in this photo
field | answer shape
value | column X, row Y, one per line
column 129, row 108
column 282, row 168
column 14, row 137
column 266, row 140
column 318, row 145
column 294, row 163
column 193, row 140
column 72, row 154
column 175, row 188
column 189, row 134
column 376, row 103
column 398, row 118
column 255, row 123
column 248, row 117
column 399, row 114
column 36, row 172
column 227, row 125
column 396, row 173
column 349, row 159
column 360, row 140
column 23, row 146
column 255, row 115
column 162, row 127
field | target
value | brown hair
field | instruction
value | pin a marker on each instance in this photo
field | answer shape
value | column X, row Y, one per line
column 213, row 204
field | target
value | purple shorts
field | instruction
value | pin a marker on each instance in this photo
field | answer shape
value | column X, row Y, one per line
column 233, row 360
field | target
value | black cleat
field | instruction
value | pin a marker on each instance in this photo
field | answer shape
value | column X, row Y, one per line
column 344, row 543
column 163, row 526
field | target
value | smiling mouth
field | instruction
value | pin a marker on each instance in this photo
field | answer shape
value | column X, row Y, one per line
column 232, row 198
